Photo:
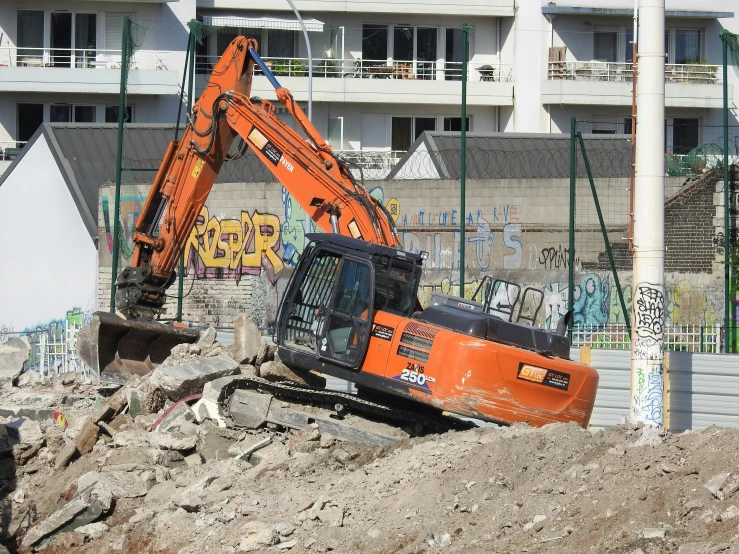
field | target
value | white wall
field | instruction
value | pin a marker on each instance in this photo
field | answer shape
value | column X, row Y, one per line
column 49, row 261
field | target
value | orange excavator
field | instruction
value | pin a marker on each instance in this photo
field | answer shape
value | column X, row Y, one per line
column 350, row 309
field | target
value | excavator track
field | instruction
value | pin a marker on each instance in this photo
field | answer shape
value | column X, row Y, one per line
column 289, row 391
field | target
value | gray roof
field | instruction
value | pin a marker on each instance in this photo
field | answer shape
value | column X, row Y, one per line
column 86, row 156
column 437, row 154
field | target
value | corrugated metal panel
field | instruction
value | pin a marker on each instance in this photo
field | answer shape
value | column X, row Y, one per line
column 612, row 400
column 518, row 155
column 703, row 390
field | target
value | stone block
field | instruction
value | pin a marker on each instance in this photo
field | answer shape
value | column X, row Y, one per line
column 181, row 413
column 13, row 355
column 247, row 340
column 87, row 437
column 145, row 399
column 187, row 379
column 121, row 484
column 60, row 517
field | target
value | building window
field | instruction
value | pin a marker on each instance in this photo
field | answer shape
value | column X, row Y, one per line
column 60, row 113
column 627, row 125
column 629, row 45
column 281, row 43
column 455, row 124
column 687, row 46
column 30, row 118
column 83, row 114
column 374, row 42
column 685, row 135
column 111, row 114
column 405, row 130
column 85, row 38
column 30, row 37
column 336, row 133
column 605, row 46
column 403, row 43
column 453, row 69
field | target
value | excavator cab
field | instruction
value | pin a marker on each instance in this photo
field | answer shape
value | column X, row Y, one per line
column 332, row 297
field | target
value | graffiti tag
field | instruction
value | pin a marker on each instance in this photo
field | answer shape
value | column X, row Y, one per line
column 650, row 311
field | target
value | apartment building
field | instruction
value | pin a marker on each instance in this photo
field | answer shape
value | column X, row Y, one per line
column 383, row 72
column 60, row 62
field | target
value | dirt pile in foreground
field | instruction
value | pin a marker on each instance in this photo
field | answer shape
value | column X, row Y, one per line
column 554, row 489
column 154, row 467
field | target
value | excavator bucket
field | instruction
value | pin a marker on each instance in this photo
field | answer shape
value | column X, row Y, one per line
column 116, row 349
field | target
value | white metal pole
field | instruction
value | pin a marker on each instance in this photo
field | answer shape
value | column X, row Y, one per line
column 648, row 283
column 310, row 60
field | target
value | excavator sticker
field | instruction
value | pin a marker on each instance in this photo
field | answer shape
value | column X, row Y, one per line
column 414, row 375
column 270, row 151
column 546, row 377
column 382, row 331
column 198, row 168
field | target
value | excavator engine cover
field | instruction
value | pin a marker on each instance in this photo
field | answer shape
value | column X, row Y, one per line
column 116, row 349
column 496, row 329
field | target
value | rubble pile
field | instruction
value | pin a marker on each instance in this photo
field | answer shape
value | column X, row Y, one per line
column 155, row 466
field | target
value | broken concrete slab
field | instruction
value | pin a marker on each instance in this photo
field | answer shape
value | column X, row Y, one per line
column 256, row 535
column 277, row 371
column 93, row 530
column 187, row 379
column 13, row 356
column 145, row 399
column 247, row 340
column 57, row 519
column 121, row 484
column 28, row 378
column 207, row 409
column 24, row 430
column 181, row 413
column 207, row 338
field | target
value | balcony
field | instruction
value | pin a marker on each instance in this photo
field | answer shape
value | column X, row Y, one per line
column 358, row 80
column 91, row 71
column 686, row 85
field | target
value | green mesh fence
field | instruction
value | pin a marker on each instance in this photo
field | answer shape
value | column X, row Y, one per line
column 694, row 241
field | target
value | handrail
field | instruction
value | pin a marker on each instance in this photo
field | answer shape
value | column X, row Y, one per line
column 372, row 69
column 620, row 72
column 82, row 58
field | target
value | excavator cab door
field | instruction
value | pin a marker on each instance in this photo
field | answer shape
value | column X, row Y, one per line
column 327, row 310
column 344, row 326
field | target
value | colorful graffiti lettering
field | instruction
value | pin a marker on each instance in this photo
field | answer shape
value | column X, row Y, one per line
column 231, row 248
column 130, row 210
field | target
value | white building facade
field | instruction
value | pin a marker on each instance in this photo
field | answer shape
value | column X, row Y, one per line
column 383, row 71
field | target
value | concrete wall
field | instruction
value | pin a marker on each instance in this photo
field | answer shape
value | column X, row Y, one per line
column 48, row 258
column 516, row 230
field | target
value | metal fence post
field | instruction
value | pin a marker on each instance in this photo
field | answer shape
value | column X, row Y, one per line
column 125, row 52
column 466, row 29
column 727, row 242
column 571, row 261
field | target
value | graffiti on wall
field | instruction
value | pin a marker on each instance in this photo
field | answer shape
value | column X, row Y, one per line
column 130, row 210
column 234, row 247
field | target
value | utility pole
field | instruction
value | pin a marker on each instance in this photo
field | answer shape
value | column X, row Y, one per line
column 310, row 59
column 466, row 30
column 648, row 282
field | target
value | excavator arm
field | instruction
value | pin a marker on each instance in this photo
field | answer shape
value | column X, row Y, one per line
column 318, row 180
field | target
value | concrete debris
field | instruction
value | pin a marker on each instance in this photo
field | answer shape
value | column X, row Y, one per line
column 189, row 378
column 93, row 475
column 121, row 484
column 247, row 340
column 305, row 440
column 13, row 356
column 27, row 379
column 716, row 483
column 206, row 340
column 180, row 414
column 277, row 371
column 61, row 516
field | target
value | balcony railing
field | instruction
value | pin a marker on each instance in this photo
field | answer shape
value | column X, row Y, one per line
column 373, row 69
column 82, row 59
column 9, row 149
column 620, row 72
